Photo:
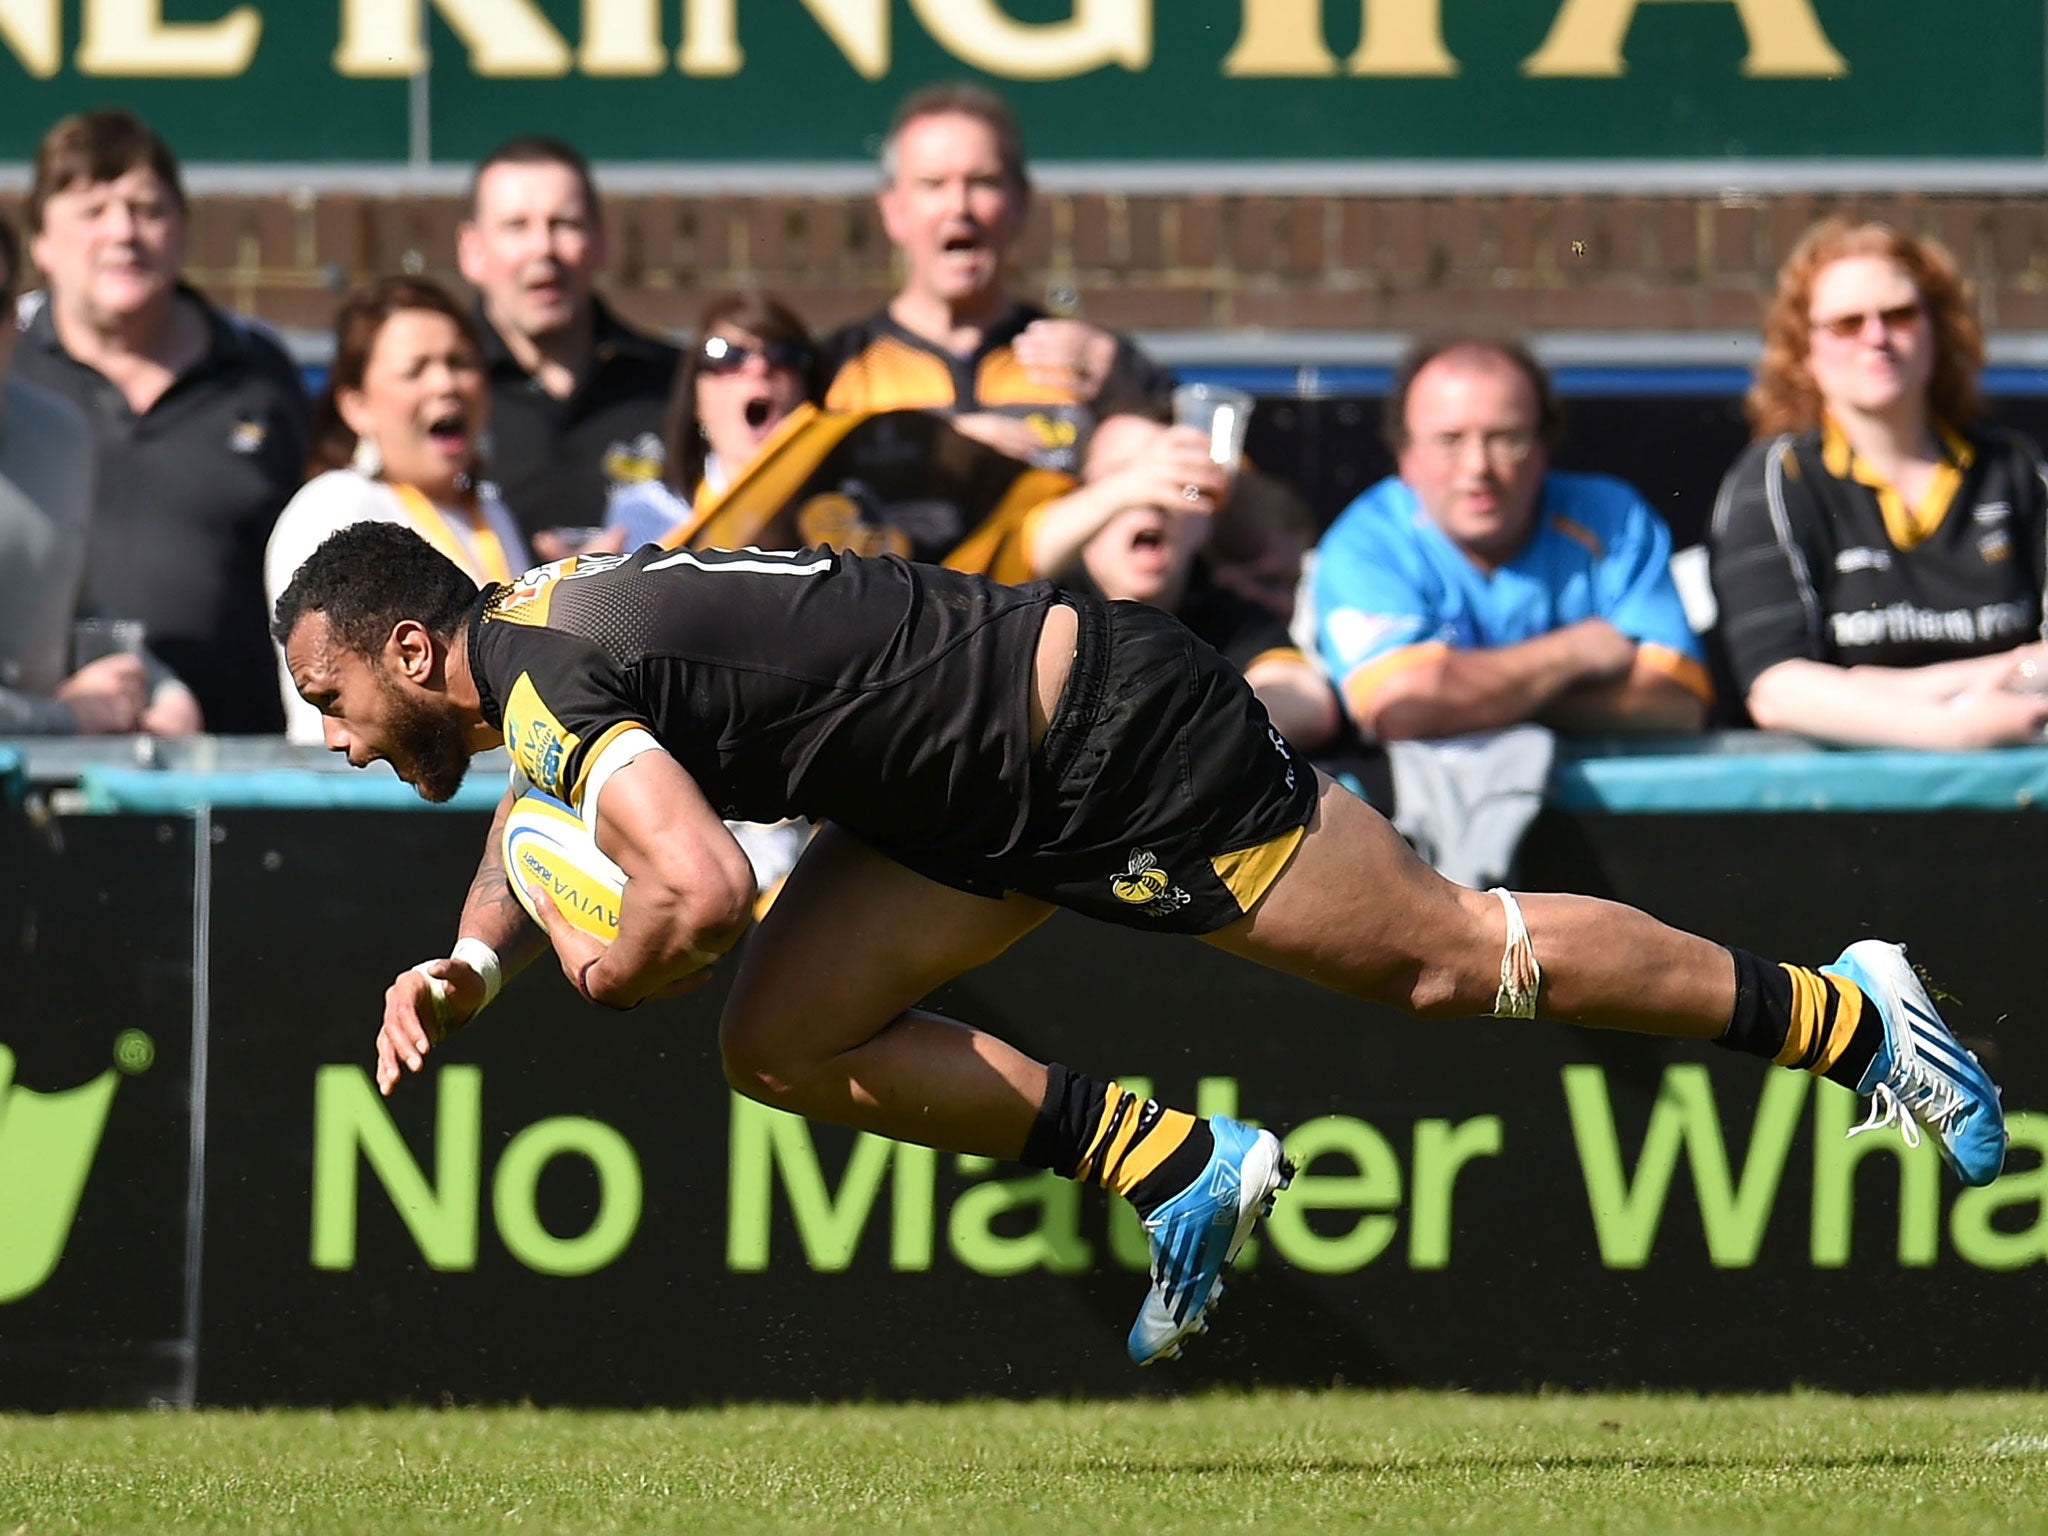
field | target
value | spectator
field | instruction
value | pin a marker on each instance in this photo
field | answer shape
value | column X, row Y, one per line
column 197, row 418
column 1478, row 588
column 577, row 396
column 752, row 365
column 1877, row 552
column 907, row 483
column 1263, row 533
column 748, row 378
column 1152, row 552
column 953, row 202
column 397, row 435
column 766, row 467
column 45, row 523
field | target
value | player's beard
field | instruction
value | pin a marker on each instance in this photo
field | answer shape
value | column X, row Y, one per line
column 427, row 749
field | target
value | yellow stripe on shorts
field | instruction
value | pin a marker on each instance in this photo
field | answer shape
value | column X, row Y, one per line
column 1250, row 872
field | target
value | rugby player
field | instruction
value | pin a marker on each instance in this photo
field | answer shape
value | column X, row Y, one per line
column 981, row 754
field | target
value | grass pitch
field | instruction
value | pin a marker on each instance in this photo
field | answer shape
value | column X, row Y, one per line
column 1266, row 1462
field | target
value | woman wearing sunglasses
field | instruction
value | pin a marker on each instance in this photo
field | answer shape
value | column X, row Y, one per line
column 750, row 368
column 1877, row 552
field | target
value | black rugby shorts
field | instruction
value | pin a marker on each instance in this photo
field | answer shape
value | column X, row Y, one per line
column 1162, row 797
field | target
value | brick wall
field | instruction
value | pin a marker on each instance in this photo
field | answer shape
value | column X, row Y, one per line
column 1172, row 262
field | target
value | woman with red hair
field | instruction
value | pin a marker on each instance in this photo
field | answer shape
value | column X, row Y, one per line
column 1877, row 552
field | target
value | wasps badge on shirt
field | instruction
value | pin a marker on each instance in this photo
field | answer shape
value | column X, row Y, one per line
column 247, row 436
column 637, row 462
column 1148, row 887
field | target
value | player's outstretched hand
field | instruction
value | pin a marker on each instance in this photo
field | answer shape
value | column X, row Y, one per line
column 421, row 1010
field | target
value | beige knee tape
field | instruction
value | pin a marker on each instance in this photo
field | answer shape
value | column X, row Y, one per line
column 1521, row 978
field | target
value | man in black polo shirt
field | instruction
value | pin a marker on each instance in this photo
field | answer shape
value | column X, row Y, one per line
column 955, row 196
column 577, row 396
column 199, row 423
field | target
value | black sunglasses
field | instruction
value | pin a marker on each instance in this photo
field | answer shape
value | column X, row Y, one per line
column 719, row 355
column 1900, row 317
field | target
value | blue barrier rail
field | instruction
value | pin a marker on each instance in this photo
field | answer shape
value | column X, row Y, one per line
column 1733, row 772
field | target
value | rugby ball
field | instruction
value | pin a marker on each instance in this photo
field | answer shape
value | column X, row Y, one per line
column 547, row 845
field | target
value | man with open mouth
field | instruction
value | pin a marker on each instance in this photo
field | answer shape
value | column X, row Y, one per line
column 577, row 395
column 1029, row 382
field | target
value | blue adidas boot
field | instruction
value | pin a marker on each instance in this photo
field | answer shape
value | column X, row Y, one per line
column 1196, row 1234
column 1922, row 1073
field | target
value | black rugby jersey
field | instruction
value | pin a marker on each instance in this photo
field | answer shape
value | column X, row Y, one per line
column 1814, row 557
column 877, row 365
column 557, row 462
column 890, row 697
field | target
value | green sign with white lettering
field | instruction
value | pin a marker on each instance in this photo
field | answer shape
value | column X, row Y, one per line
column 813, row 81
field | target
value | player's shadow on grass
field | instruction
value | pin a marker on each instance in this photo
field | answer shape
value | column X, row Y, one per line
column 1273, row 1329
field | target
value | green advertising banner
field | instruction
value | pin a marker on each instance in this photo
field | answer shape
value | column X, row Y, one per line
column 811, row 82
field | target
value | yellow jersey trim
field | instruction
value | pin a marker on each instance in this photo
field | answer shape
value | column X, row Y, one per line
column 889, row 374
column 998, row 547
column 1286, row 653
column 1367, row 680
column 1575, row 530
column 734, row 518
column 1679, row 667
column 1907, row 527
column 432, row 522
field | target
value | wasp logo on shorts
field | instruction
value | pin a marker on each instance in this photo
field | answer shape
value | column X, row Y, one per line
column 1148, row 887
column 536, row 739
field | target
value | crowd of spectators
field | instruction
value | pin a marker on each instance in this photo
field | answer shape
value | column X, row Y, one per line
column 1876, row 555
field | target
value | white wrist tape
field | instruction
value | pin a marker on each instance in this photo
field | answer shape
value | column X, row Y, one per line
column 482, row 959
column 1521, row 978
column 438, row 991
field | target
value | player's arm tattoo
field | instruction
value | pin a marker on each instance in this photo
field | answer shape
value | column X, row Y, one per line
column 491, row 911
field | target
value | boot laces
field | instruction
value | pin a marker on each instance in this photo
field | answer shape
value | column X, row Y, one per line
column 1911, row 1096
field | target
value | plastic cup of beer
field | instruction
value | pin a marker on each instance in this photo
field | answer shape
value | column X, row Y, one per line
column 92, row 639
column 1220, row 413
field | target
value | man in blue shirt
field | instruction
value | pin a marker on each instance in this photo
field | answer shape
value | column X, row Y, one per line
column 1479, row 588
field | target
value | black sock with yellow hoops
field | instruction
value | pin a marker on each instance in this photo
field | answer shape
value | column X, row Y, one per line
column 1808, row 1020
column 1099, row 1133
